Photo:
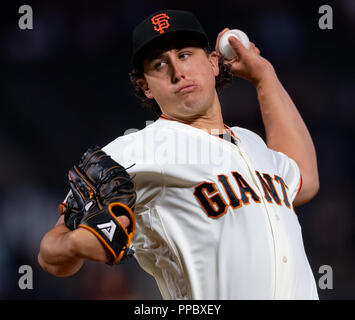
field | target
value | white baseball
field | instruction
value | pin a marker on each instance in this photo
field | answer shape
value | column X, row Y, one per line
column 224, row 46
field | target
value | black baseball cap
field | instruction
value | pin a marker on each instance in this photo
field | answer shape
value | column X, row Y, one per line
column 163, row 25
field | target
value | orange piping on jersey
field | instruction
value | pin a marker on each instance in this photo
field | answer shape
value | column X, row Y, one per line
column 163, row 116
column 300, row 186
column 229, row 130
column 298, row 191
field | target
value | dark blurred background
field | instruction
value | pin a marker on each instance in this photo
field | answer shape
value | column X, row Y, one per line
column 65, row 86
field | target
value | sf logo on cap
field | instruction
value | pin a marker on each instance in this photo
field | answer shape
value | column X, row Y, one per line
column 161, row 22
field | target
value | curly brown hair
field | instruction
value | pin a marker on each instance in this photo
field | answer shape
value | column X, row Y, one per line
column 224, row 78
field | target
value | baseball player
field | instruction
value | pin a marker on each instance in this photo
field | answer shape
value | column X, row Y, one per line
column 207, row 209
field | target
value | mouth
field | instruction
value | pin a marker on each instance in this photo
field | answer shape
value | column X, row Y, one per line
column 186, row 88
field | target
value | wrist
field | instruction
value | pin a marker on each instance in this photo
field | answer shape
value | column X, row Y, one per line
column 268, row 78
column 83, row 244
column 266, row 75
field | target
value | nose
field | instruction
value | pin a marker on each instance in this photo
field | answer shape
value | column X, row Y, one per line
column 176, row 70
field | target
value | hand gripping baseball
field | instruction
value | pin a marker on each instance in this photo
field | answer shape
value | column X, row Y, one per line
column 102, row 190
column 248, row 64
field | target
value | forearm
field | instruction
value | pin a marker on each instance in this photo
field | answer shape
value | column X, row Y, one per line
column 285, row 129
column 57, row 255
column 62, row 251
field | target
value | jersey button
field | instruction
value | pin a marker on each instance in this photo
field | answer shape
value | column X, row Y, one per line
column 284, row 259
column 277, row 218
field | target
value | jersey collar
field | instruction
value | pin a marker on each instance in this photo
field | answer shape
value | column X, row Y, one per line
column 227, row 128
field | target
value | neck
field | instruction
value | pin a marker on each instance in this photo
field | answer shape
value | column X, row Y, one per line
column 211, row 120
column 212, row 123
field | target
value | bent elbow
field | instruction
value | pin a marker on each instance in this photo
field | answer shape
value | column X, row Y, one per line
column 313, row 188
column 307, row 193
column 50, row 264
column 59, row 271
column 316, row 189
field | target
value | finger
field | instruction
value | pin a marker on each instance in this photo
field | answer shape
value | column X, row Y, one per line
column 254, row 48
column 237, row 46
column 219, row 38
column 124, row 220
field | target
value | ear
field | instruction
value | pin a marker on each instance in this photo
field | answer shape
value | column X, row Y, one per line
column 213, row 58
column 143, row 85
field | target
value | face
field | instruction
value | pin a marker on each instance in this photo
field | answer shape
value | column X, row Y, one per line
column 181, row 80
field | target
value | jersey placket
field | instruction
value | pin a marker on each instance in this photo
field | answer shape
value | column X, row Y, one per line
column 273, row 218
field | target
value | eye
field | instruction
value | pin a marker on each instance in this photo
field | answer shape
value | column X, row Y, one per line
column 184, row 55
column 159, row 64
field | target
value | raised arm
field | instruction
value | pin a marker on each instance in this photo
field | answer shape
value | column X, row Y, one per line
column 284, row 127
column 286, row 132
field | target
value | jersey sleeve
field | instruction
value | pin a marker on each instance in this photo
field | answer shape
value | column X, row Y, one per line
column 289, row 171
column 129, row 151
column 286, row 167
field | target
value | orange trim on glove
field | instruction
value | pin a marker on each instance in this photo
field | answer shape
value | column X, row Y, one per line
column 62, row 208
column 129, row 236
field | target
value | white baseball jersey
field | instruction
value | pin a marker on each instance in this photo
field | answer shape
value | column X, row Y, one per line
column 214, row 218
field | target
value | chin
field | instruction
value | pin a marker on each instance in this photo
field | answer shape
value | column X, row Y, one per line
column 190, row 113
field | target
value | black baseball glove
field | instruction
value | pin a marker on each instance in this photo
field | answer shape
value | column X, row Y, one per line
column 101, row 190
